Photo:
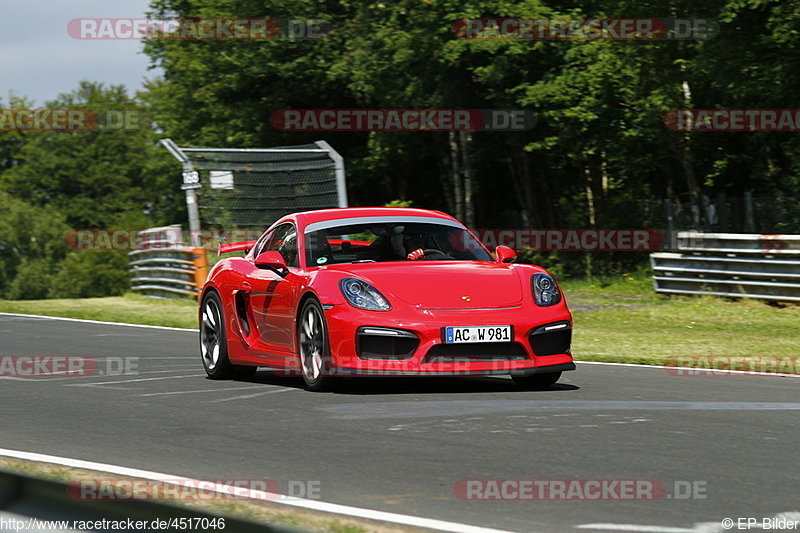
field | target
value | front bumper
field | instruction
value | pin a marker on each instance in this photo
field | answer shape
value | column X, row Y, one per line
column 432, row 356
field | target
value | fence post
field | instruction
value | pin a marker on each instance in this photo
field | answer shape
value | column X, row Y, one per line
column 200, row 268
column 722, row 215
column 694, row 209
column 670, row 209
column 705, row 213
column 749, row 220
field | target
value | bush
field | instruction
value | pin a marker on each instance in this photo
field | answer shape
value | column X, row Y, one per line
column 31, row 245
column 91, row 274
column 32, row 281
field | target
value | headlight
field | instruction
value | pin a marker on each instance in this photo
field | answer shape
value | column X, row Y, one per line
column 545, row 290
column 363, row 295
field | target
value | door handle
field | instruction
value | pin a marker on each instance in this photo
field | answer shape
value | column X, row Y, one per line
column 246, row 287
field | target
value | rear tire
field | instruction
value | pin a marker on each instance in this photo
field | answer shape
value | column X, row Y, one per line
column 537, row 381
column 213, row 342
column 314, row 348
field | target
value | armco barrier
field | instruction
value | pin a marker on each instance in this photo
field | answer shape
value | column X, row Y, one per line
column 25, row 498
column 165, row 269
column 731, row 264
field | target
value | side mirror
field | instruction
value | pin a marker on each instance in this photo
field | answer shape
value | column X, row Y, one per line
column 271, row 259
column 505, row 254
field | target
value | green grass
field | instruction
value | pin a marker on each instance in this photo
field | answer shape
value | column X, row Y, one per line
column 132, row 308
column 616, row 320
column 628, row 322
column 687, row 327
column 263, row 512
column 632, row 286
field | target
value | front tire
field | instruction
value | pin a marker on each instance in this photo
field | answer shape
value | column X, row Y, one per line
column 213, row 342
column 314, row 348
column 537, row 381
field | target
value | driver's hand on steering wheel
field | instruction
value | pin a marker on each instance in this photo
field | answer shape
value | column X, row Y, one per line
column 416, row 254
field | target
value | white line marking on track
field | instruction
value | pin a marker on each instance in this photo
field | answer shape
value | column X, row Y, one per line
column 183, row 369
column 148, row 358
column 699, row 527
column 196, row 391
column 648, row 529
column 134, row 335
column 87, row 321
column 133, row 380
column 34, row 379
column 314, row 505
column 247, row 396
column 694, row 369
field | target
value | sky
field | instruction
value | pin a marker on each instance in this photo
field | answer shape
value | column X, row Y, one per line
column 39, row 59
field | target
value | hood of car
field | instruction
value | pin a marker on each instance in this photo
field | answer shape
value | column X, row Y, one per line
column 445, row 284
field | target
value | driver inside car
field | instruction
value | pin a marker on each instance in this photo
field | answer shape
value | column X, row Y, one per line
column 414, row 244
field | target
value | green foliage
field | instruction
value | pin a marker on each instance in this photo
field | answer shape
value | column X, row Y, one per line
column 547, row 260
column 600, row 154
column 600, row 104
column 34, row 262
column 51, row 181
column 32, row 280
column 31, row 246
column 98, row 178
column 12, row 141
column 399, row 203
column 91, row 274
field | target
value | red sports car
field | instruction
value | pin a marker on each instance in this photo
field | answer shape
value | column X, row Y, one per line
column 381, row 292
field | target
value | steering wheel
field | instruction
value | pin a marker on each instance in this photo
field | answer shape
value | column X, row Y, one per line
column 433, row 251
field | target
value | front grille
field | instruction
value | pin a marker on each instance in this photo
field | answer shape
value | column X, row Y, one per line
column 551, row 339
column 385, row 343
column 479, row 351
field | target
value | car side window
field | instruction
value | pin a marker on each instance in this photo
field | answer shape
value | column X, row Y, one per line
column 284, row 240
column 261, row 243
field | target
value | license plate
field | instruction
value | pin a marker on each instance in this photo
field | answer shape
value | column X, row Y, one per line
column 460, row 334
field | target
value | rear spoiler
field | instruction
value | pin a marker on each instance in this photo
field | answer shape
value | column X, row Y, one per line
column 235, row 247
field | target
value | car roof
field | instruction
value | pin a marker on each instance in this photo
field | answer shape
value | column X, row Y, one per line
column 310, row 217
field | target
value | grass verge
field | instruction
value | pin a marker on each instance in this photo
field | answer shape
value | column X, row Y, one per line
column 622, row 320
column 258, row 511
column 130, row 308
column 616, row 320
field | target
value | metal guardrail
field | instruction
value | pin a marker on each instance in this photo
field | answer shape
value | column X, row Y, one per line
column 739, row 243
column 25, row 498
column 731, row 264
column 164, row 268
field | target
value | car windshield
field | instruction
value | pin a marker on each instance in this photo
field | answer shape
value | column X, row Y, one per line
column 392, row 241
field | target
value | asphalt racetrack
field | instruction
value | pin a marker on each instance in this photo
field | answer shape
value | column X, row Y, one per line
column 402, row 445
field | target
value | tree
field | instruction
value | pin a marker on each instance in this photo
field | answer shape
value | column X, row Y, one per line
column 98, row 178
column 31, row 247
